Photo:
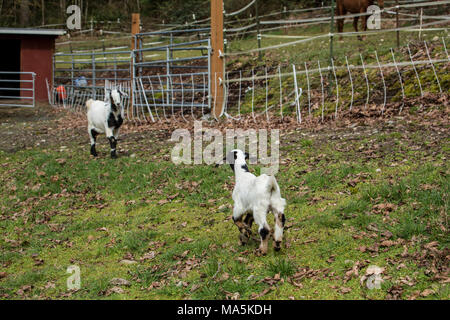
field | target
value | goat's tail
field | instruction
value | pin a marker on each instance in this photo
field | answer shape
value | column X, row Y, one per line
column 276, row 201
column 89, row 104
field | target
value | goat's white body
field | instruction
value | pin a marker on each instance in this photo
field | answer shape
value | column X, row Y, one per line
column 252, row 192
column 257, row 195
column 97, row 115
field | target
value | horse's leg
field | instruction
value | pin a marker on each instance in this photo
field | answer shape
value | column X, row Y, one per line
column 355, row 25
column 340, row 22
column 364, row 23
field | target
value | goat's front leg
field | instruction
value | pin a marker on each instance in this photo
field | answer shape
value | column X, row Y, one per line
column 244, row 229
column 280, row 220
column 112, row 142
column 116, row 132
column 263, row 230
column 93, row 136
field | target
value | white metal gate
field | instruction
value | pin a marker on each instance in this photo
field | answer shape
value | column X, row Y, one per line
column 17, row 89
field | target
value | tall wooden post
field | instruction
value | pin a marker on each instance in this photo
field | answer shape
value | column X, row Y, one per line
column 258, row 29
column 135, row 29
column 330, row 81
column 397, row 23
column 217, row 63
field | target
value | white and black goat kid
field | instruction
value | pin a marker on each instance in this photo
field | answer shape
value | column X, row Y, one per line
column 105, row 117
column 254, row 197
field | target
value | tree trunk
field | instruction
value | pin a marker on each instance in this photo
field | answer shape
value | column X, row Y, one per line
column 43, row 12
column 25, row 13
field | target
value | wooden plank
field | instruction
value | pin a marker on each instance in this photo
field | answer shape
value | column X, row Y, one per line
column 217, row 62
column 135, row 27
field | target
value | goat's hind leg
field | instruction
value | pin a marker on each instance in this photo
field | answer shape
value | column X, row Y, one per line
column 241, row 224
column 247, row 233
column 93, row 136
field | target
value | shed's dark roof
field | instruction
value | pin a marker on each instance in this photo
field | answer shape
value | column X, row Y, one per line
column 37, row 32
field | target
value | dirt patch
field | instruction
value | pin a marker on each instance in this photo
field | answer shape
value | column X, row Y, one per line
column 45, row 126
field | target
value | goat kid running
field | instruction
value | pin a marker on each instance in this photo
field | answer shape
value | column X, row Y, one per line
column 254, row 197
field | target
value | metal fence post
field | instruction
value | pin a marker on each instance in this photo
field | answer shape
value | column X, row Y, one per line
column 34, row 88
column 141, row 55
column 209, row 74
column 94, row 91
column 54, row 70
column 168, row 72
column 397, row 23
column 73, row 67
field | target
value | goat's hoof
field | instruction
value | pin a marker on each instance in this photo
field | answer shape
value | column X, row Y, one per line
column 93, row 152
column 260, row 252
column 243, row 239
column 114, row 156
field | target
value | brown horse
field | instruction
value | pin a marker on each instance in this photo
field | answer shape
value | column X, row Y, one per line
column 354, row 7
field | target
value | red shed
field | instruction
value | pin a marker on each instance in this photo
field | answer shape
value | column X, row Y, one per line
column 29, row 50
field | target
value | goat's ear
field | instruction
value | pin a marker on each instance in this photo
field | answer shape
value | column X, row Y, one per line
column 247, row 156
column 122, row 93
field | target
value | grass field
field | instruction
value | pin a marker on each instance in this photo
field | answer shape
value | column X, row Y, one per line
column 143, row 228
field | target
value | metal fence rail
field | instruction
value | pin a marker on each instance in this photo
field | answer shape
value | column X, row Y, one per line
column 17, row 89
column 74, row 98
column 173, row 76
column 173, row 93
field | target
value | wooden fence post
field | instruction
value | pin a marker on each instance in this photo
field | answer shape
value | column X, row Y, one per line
column 217, row 62
column 330, row 81
column 397, row 24
column 258, row 29
column 135, row 29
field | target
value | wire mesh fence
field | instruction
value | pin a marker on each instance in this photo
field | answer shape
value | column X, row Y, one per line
column 171, row 79
column 314, row 90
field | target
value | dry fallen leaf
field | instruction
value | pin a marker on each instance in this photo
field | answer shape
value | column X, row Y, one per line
column 119, row 282
column 345, row 290
column 427, row 292
column 112, row 290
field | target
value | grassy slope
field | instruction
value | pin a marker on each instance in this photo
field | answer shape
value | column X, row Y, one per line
column 61, row 208
column 318, row 51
